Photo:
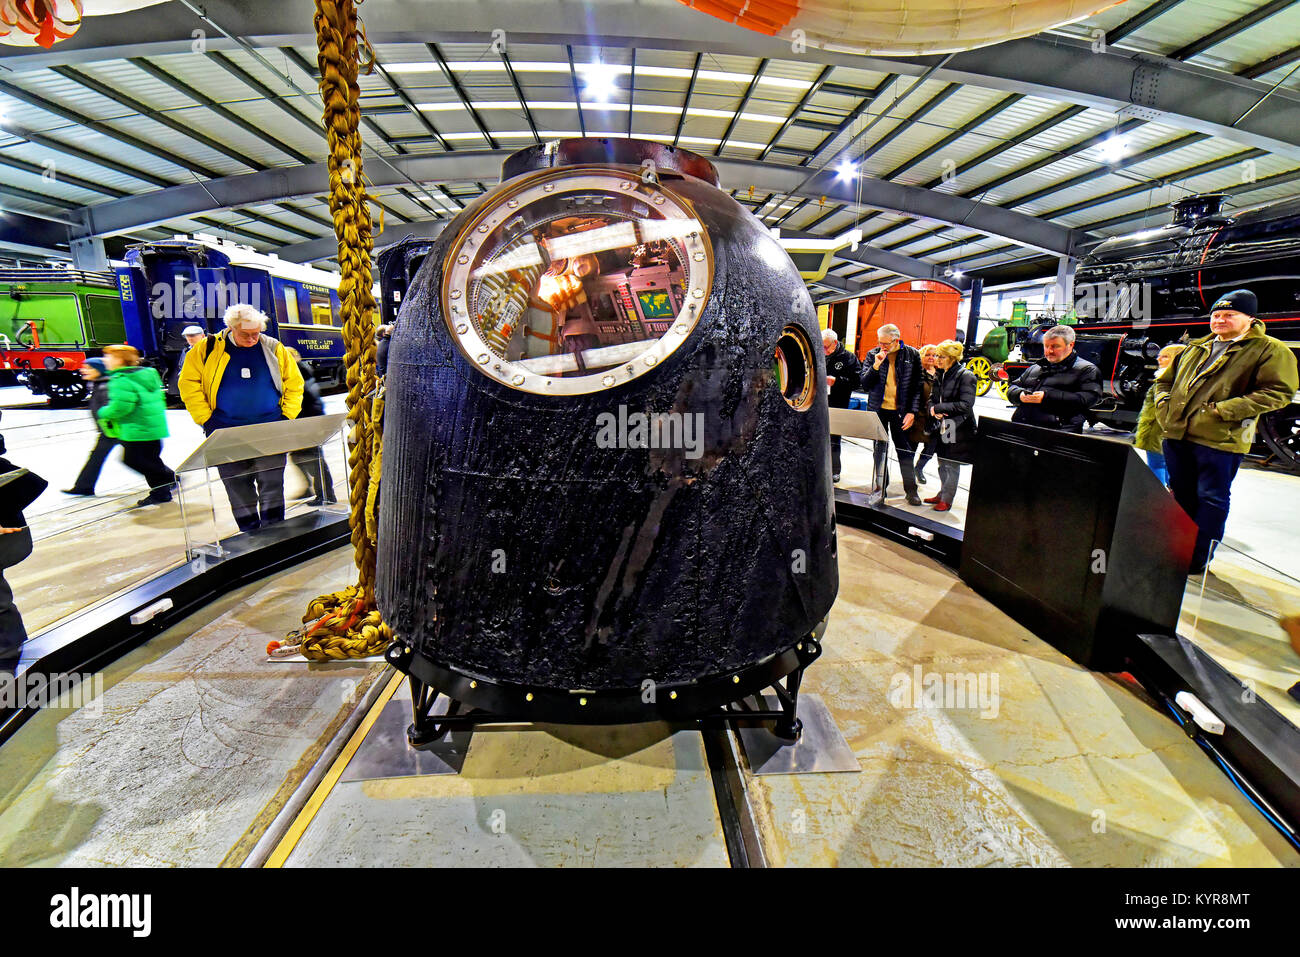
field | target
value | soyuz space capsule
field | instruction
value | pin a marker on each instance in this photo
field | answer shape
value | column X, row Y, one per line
column 606, row 488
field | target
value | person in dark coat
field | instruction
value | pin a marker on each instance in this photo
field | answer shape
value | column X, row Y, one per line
column 891, row 377
column 95, row 374
column 16, row 494
column 923, row 426
column 383, row 334
column 843, row 373
column 320, row 484
column 952, row 407
column 1056, row 391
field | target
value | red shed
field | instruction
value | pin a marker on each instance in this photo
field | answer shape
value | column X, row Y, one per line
column 925, row 311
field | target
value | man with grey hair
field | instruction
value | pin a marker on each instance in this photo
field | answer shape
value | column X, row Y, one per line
column 243, row 377
column 193, row 335
column 891, row 378
column 1056, row 391
column 843, row 373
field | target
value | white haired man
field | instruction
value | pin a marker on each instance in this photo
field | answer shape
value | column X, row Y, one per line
column 843, row 373
column 243, row 377
column 1057, row 390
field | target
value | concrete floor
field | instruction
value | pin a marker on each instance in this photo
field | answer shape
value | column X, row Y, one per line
column 194, row 746
column 547, row 796
column 197, row 743
column 1060, row 767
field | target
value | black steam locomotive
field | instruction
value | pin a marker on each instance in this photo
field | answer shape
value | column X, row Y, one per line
column 1134, row 294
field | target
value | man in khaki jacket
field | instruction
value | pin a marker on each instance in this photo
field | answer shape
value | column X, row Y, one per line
column 1207, row 403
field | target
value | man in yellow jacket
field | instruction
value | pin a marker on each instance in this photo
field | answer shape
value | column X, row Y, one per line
column 244, row 377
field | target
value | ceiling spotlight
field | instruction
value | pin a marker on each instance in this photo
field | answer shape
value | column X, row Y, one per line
column 957, row 274
column 845, row 170
column 1113, row 149
column 599, row 82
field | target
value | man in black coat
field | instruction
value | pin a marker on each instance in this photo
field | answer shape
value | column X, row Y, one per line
column 320, row 483
column 383, row 336
column 1056, row 391
column 18, row 491
column 843, row 373
column 95, row 374
column 891, row 377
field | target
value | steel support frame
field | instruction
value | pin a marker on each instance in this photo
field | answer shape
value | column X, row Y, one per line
column 690, row 702
column 251, row 189
column 427, row 728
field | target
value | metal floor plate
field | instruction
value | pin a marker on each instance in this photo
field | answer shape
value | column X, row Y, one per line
column 385, row 752
column 820, row 748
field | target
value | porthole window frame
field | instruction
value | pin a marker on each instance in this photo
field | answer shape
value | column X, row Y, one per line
column 808, row 395
column 462, row 254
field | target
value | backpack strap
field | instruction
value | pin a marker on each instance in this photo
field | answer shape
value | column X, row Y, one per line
column 207, row 346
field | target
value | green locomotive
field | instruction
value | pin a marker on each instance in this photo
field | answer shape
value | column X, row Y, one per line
column 51, row 321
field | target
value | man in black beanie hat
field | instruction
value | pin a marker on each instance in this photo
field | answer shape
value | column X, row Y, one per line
column 1207, row 403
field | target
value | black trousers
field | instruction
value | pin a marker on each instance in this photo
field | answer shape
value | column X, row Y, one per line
column 146, row 458
column 923, row 458
column 313, row 465
column 949, row 473
column 892, row 420
column 94, row 464
column 14, row 547
column 256, row 490
column 1201, row 479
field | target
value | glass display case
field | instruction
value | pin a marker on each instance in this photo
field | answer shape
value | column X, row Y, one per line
column 88, row 551
column 254, row 457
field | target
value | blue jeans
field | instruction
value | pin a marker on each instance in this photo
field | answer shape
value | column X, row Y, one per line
column 1201, row 479
column 1156, row 461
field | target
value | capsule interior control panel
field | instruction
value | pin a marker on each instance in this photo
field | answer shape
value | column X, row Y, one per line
column 577, row 280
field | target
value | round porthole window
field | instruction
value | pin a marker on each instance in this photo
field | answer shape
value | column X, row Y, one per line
column 793, row 367
column 577, row 280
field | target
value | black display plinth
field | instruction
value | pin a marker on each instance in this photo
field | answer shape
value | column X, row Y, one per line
column 1074, row 537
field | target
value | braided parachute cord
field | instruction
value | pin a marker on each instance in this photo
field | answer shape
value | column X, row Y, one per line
column 346, row 624
column 376, row 464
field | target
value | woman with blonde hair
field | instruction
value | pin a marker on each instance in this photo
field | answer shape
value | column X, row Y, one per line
column 923, row 425
column 136, row 415
column 952, row 406
column 1149, row 436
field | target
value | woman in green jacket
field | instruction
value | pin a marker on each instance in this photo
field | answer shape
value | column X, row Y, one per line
column 136, row 415
column 1149, row 434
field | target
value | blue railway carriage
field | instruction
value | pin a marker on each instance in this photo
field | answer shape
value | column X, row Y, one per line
column 190, row 280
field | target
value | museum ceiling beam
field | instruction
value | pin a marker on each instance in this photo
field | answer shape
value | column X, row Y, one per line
column 817, row 86
column 318, row 250
column 1058, row 67
column 1140, row 19
column 273, row 185
column 1231, row 29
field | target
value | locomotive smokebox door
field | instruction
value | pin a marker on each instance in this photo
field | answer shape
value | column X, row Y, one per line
column 606, row 481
